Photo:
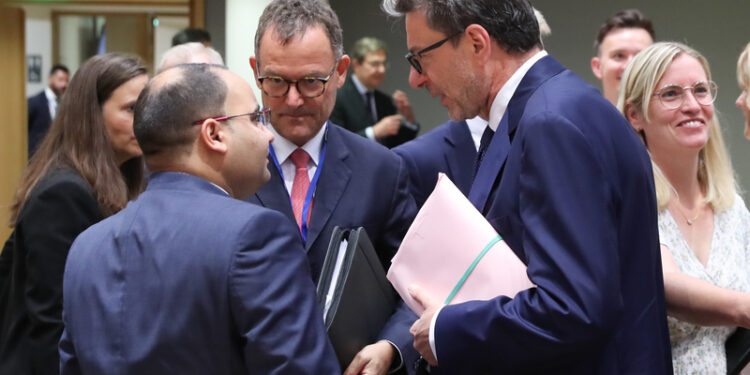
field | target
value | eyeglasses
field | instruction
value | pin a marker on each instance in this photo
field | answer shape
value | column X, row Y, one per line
column 412, row 57
column 308, row 87
column 673, row 96
column 261, row 116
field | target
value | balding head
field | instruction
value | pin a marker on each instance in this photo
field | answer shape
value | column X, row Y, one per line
column 189, row 53
column 203, row 120
column 172, row 101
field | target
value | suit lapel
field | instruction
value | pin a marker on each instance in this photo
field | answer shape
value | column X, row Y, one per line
column 357, row 101
column 273, row 193
column 497, row 153
column 334, row 177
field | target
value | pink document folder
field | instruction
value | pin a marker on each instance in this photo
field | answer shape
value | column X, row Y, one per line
column 446, row 238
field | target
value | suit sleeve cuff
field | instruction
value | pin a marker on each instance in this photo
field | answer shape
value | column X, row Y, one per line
column 432, row 331
column 398, row 359
column 370, row 133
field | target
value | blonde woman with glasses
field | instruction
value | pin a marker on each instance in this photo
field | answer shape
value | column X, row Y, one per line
column 704, row 227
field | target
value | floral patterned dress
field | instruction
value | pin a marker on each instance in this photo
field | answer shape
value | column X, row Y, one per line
column 700, row 349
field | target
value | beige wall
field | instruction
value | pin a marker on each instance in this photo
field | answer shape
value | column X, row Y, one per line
column 13, row 109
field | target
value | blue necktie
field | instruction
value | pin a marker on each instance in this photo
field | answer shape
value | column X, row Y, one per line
column 484, row 144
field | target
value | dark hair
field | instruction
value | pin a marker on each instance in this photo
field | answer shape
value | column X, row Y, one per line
column 191, row 35
column 511, row 23
column 57, row 67
column 77, row 138
column 165, row 112
column 291, row 17
column 628, row 18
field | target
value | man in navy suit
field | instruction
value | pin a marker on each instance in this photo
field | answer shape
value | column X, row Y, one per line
column 450, row 148
column 367, row 111
column 564, row 180
column 42, row 107
column 322, row 175
column 189, row 279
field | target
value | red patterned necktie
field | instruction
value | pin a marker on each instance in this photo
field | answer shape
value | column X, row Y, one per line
column 301, row 183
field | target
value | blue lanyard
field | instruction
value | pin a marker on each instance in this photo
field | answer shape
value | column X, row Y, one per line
column 313, row 183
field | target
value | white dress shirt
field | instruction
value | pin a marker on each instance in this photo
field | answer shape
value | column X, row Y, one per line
column 497, row 110
column 362, row 91
column 476, row 128
column 51, row 102
column 284, row 148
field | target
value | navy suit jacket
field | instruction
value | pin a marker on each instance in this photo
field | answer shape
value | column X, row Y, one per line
column 39, row 120
column 186, row 280
column 360, row 184
column 569, row 186
column 448, row 148
column 350, row 113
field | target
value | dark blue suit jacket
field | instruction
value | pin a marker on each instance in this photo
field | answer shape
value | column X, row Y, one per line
column 361, row 183
column 569, row 186
column 186, row 280
column 448, row 148
column 39, row 120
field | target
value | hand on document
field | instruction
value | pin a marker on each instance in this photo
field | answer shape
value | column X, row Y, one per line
column 373, row 359
column 420, row 330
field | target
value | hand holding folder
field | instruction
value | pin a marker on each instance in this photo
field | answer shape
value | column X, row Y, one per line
column 454, row 254
column 354, row 293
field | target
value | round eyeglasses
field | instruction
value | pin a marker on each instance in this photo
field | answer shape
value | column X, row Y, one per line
column 308, row 87
column 673, row 96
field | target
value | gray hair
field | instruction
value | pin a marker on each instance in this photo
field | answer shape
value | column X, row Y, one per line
column 366, row 45
column 291, row 17
column 188, row 53
column 511, row 23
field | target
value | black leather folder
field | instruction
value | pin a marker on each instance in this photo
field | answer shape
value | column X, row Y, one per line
column 361, row 298
column 738, row 351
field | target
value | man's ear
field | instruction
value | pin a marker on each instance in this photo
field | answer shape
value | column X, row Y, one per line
column 479, row 40
column 254, row 66
column 341, row 69
column 214, row 136
column 595, row 67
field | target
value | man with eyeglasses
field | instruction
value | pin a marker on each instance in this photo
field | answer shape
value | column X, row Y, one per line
column 188, row 278
column 363, row 109
column 323, row 175
column 568, row 185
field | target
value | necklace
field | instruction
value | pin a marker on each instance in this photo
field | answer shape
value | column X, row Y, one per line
column 682, row 213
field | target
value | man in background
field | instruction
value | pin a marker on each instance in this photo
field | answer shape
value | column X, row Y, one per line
column 189, row 53
column 192, row 35
column 322, row 175
column 363, row 109
column 188, row 278
column 621, row 37
column 42, row 107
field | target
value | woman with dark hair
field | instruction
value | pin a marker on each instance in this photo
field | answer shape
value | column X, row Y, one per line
column 87, row 167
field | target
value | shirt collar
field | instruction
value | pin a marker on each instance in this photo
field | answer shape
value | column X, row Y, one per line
column 283, row 147
column 500, row 104
column 360, row 87
column 50, row 94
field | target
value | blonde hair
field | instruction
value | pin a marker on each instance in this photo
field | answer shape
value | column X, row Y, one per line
column 743, row 73
column 715, row 174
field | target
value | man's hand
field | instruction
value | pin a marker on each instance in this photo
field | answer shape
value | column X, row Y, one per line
column 372, row 359
column 420, row 330
column 389, row 125
column 402, row 103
